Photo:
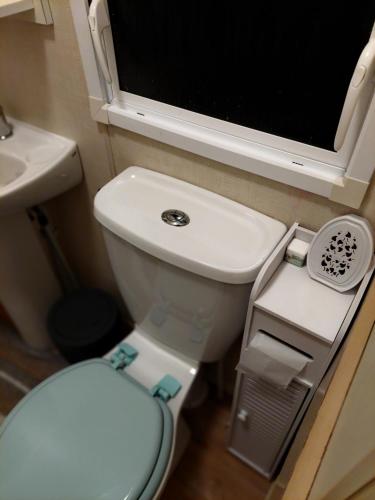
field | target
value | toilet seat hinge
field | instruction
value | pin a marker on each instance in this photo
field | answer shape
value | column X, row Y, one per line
column 124, row 356
column 166, row 389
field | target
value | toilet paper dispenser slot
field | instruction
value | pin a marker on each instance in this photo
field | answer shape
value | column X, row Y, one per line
column 272, row 360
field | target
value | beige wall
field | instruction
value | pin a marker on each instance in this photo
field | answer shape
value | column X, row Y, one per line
column 353, row 438
column 41, row 82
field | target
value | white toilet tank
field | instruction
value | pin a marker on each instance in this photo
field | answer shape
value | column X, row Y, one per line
column 184, row 259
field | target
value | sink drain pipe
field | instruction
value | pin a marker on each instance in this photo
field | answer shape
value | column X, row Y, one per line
column 64, row 273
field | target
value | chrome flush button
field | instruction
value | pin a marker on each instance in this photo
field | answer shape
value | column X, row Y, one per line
column 175, row 217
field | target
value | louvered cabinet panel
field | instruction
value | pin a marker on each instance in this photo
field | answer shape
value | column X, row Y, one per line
column 264, row 415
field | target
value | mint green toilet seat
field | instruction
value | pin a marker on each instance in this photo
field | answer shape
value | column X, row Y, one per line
column 86, row 433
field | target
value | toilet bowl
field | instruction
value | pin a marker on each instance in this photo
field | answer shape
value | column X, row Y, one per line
column 184, row 260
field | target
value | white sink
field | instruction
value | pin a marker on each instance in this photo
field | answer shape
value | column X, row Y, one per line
column 35, row 166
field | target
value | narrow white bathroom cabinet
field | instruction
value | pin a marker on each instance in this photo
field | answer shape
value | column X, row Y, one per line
column 307, row 317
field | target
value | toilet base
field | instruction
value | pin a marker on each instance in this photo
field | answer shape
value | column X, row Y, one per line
column 198, row 392
column 182, row 439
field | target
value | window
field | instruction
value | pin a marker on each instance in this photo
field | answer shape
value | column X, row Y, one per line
column 266, row 80
column 278, row 67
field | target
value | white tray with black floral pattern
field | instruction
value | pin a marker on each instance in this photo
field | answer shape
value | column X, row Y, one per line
column 340, row 253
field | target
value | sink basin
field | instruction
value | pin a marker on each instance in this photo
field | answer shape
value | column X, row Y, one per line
column 10, row 169
column 35, row 166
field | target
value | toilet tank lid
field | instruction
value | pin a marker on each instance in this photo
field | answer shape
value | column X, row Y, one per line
column 222, row 240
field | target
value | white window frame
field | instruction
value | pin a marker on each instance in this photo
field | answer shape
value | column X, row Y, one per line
column 342, row 177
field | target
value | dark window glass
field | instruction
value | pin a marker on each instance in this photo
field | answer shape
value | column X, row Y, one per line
column 278, row 67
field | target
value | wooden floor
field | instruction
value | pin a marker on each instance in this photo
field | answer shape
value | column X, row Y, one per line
column 207, row 470
column 20, row 371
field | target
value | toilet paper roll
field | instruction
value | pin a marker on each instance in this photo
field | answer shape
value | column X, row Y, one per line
column 272, row 360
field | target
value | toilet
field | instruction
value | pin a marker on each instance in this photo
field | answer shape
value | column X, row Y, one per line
column 111, row 429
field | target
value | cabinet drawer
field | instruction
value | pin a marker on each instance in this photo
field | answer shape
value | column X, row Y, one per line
column 263, row 417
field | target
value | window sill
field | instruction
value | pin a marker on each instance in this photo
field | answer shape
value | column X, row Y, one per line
column 302, row 173
column 39, row 10
column 11, row 7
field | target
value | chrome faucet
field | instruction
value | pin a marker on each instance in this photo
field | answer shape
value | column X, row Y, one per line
column 6, row 129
